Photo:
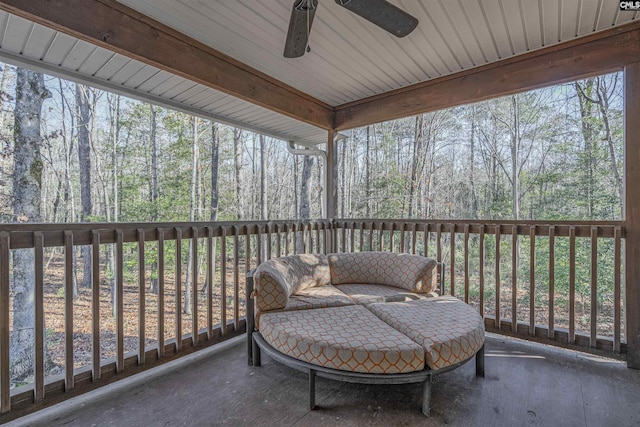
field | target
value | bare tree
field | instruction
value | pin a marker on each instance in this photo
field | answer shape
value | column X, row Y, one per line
column 84, row 160
column 27, row 184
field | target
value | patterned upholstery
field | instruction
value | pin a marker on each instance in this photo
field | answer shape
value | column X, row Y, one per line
column 275, row 280
column 368, row 294
column 448, row 330
column 411, row 272
column 318, row 297
column 346, row 338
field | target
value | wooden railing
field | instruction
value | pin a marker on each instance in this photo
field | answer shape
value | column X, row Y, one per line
column 137, row 253
column 565, row 291
column 561, row 286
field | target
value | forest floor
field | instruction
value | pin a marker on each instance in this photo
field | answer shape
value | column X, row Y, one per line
column 82, row 316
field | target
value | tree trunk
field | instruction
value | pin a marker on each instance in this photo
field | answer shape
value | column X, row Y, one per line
column 192, row 211
column 213, row 208
column 263, row 179
column 84, row 161
column 515, row 161
column 305, row 211
column 367, row 173
column 27, row 185
column 114, row 175
column 154, row 188
column 238, row 156
column 472, row 157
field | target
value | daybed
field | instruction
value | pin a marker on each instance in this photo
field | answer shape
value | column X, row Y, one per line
column 366, row 317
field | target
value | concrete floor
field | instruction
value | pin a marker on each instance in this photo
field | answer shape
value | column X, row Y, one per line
column 525, row 384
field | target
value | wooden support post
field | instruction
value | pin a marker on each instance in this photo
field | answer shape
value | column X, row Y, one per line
column 632, row 212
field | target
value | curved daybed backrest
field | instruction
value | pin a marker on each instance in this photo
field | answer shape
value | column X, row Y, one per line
column 414, row 273
column 278, row 278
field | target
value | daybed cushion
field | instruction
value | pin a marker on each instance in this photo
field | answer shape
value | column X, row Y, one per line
column 411, row 272
column 318, row 297
column 278, row 278
column 448, row 330
column 347, row 338
column 368, row 293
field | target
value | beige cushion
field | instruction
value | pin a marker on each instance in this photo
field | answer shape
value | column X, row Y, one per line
column 347, row 338
column 411, row 272
column 368, row 293
column 275, row 280
column 448, row 330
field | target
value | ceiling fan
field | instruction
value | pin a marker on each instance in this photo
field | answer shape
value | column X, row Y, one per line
column 379, row 12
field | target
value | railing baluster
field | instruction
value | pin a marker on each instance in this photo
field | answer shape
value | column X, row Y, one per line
column 68, row 310
column 439, row 257
column 572, row 284
column 95, row 304
column 194, row 286
column 236, row 276
column 141, row 298
column 552, row 281
column 343, row 245
column 380, row 236
column 269, row 231
column 160, row 292
column 532, row 280
column 514, row 278
column 317, row 228
column 414, row 236
column 352, row 233
column 392, row 235
column 210, row 274
column 178, row 279
column 497, row 320
column 38, row 240
column 370, row 236
column 617, row 236
column 466, row 263
column 259, row 243
column 402, row 239
column 452, row 257
column 594, row 287
column 223, row 281
column 481, row 272
column 278, row 239
column 287, row 246
column 5, row 380
column 119, row 301
column 426, row 234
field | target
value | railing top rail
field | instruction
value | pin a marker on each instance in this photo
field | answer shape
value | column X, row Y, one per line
column 341, row 221
column 22, row 235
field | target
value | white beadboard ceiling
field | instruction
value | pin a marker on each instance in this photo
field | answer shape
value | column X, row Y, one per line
column 350, row 58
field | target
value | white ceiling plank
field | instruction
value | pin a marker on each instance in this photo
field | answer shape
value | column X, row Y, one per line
column 39, row 41
column 78, row 55
column 512, row 17
column 492, row 14
column 16, row 34
column 60, row 47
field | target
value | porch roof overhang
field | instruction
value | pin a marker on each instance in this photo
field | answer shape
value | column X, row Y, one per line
column 223, row 60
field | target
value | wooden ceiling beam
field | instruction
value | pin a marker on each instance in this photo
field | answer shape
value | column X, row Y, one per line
column 598, row 53
column 116, row 27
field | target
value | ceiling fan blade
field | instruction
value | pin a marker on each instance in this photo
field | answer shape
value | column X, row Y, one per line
column 302, row 15
column 383, row 14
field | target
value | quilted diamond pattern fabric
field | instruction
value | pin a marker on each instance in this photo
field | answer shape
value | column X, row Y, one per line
column 347, row 338
column 278, row 278
column 368, row 293
column 448, row 330
column 411, row 272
